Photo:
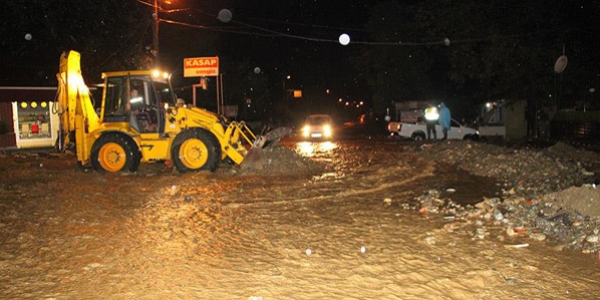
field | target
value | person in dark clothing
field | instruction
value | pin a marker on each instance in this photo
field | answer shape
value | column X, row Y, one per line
column 444, row 119
column 431, row 119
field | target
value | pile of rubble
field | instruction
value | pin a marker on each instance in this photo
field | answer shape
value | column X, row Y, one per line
column 530, row 171
column 550, row 193
column 279, row 160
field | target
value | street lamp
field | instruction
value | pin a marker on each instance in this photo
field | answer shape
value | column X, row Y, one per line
column 284, row 90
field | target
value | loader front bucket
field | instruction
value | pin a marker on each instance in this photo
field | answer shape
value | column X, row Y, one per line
column 255, row 158
column 238, row 137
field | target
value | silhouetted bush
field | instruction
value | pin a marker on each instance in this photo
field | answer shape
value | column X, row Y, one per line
column 3, row 127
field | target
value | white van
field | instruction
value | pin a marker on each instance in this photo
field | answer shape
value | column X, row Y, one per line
column 318, row 127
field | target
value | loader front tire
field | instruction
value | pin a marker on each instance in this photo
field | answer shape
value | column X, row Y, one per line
column 195, row 150
column 114, row 153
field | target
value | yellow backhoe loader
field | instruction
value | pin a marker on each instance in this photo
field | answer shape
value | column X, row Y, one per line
column 139, row 120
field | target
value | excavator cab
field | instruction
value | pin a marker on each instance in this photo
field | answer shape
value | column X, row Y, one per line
column 137, row 100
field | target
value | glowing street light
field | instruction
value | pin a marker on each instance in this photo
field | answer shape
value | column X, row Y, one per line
column 288, row 77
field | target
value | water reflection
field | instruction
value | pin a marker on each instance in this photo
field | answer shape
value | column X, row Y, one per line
column 315, row 149
column 198, row 222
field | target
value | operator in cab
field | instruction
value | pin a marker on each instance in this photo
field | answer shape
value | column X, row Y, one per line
column 133, row 97
column 139, row 116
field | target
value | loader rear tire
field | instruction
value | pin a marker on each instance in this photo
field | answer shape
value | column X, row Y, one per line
column 195, row 150
column 115, row 153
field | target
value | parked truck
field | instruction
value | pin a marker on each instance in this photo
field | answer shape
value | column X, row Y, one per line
column 418, row 131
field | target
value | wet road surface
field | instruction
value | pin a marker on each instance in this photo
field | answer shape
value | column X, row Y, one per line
column 157, row 235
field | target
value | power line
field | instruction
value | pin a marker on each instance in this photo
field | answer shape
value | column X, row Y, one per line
column 273, row 33
column 265, row 32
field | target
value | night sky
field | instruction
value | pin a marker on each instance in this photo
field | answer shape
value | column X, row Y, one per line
column 282, row 38
column 299, row 39
column 397, row 52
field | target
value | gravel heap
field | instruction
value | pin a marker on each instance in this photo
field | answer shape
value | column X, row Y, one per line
column 550, row 193
column 529, row 171
column 279, row 160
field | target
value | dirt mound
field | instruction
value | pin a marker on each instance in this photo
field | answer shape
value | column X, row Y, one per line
column 282, row 161
column 583, row 200
column 549, row 193
column 528, row 171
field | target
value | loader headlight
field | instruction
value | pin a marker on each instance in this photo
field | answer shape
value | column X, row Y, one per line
column 160, row 74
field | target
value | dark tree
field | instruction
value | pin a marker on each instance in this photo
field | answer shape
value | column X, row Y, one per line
column 494, row 50
column 109, row 34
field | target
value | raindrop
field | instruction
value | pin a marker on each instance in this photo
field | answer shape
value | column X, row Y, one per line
column 344, row 39
column 257, row 70
column 447, row 41
column 225, row 15
column 28, row 36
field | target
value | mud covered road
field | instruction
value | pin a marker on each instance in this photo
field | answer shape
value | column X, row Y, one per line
column 345, row 232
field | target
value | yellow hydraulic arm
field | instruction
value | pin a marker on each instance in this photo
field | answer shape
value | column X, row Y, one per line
column 76, row 110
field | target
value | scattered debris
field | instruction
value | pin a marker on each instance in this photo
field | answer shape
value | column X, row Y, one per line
column 550, row 194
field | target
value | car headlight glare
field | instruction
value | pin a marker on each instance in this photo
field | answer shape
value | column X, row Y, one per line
column 327, row 130
column 306, row 130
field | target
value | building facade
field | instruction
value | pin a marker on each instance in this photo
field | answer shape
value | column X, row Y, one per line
column 30, row 116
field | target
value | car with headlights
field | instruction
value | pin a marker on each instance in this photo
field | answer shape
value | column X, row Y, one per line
column 318, row 126
column 418, row 131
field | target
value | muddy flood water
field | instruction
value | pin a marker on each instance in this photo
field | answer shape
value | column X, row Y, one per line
column 346, row 233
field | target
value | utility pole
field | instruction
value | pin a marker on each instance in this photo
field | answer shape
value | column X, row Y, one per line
column 155, row 41
column 284, row 88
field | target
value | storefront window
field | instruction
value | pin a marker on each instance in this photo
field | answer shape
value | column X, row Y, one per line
column 34, row 120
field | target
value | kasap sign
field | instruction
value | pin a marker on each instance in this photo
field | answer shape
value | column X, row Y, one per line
column 201, row 66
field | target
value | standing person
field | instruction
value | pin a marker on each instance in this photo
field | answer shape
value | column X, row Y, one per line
column 445, row 119
column 431, row 119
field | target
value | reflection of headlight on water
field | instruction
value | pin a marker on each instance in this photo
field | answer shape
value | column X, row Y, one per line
column 306, row 148
column 328, row 146
column 309, row 149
